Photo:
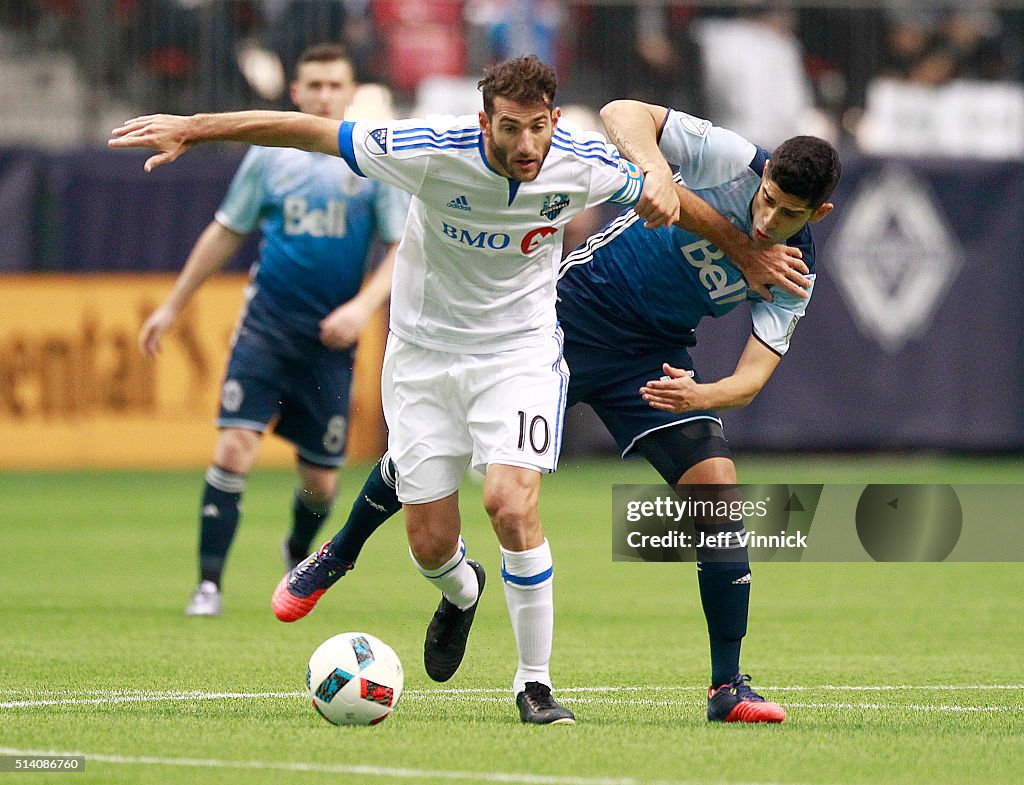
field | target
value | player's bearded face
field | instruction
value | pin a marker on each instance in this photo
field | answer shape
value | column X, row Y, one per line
column 517, row 137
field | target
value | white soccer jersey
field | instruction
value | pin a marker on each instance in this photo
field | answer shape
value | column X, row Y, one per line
column 476, row 269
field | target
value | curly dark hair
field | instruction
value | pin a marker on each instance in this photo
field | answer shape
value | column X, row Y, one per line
column 525, row 80
column 806, row 167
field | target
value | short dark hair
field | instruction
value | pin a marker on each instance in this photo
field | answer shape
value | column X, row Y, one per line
column 806, row 167
column 524, row 80
column 327, row 52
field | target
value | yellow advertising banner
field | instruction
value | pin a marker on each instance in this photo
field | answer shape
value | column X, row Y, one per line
column 76, row 392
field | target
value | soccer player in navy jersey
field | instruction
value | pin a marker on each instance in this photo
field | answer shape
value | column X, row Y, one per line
column 291, row 362
column 630, row 299
column 473, row 372
column 629, row 302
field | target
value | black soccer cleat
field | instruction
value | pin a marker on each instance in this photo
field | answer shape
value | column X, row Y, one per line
column 448, row 632
column 537, row 706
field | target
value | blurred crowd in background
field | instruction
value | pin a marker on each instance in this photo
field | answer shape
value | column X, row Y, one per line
column 767, row 72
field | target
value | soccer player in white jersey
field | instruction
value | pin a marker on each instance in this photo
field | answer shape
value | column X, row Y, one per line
column 630, row 300
column 473, row 372
column 290, row 368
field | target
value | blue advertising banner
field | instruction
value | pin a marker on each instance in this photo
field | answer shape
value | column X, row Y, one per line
column 21, row 177
column 913, row 338
column 113, row 216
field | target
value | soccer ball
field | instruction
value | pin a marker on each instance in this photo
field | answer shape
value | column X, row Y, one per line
column 354, row 679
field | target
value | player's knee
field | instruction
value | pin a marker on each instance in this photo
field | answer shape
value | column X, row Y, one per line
column 433, row 533
column 236, row 450
column 431, row 551
column 513, row 515
column 319, row 485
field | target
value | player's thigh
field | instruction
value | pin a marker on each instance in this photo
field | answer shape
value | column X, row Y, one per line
column 516, row 406
column 314, row 408
column 428, row 438
column 692, row 451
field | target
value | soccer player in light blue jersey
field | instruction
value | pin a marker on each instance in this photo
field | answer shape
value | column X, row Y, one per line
column 291, row 361
column 473, row 373
column 630, row 299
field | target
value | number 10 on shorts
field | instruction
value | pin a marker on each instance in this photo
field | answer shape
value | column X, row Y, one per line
column 534, row 433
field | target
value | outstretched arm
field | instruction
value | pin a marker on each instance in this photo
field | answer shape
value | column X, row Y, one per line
column 212, row 250
column 172, row 135
column 678, row 392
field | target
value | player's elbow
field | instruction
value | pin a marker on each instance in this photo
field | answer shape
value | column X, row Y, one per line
column 611, row 109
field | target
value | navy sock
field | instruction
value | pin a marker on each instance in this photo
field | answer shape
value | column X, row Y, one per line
column 307, row 518
column 725, row 597
column 376, row 502
column 218, row 520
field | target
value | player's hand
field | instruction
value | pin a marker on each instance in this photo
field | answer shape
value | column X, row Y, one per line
column 341, row 327
column 659, row 204
column 676, row 391
column 162, row 132
column 781, row 266
column 153, row 329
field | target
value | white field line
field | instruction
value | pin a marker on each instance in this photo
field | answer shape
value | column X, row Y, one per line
column 578, row 695
column 366, row 771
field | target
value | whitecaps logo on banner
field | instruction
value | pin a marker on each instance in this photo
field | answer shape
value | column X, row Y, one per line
column 894, row 256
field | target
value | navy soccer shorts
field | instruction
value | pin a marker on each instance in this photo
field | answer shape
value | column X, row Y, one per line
column 303, row 394
column 610, row 382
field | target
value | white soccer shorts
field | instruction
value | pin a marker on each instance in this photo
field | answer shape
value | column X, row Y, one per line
column 446, row 411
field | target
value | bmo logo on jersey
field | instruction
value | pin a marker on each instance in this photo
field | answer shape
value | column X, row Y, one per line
column 497, row 241
column 326, row 222
column 715, row 278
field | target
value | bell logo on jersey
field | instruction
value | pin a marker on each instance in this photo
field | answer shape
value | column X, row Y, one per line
column 533, row 238
column 703, row 255
column 300, row 220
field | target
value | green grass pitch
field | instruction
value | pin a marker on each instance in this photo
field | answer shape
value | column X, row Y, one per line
column 892, row 673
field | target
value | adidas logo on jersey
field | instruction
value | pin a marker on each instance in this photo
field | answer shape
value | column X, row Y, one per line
column 460, row 203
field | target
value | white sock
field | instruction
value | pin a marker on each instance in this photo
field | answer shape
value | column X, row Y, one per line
column 455, row 578
column 529, row 596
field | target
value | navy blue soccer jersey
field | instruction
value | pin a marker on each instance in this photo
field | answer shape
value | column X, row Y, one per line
column 631, row 288
column 318, row 222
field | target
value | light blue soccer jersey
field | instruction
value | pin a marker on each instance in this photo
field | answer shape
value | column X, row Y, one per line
column 632, row 288
column 318, row 221
column 476, row 270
